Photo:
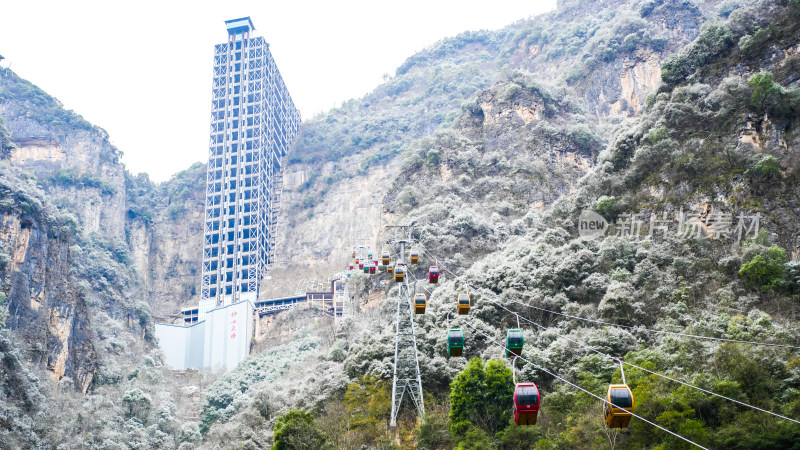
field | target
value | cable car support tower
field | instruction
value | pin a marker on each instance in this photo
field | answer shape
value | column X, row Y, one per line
column 406, row 360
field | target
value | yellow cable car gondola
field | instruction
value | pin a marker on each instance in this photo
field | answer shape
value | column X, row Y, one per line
column 357, row 261
column 390, row 268
column 463, row 303
column 617, row 411
column 419, row 303
column 399, row 272
column 385, row 257
column 414, row 256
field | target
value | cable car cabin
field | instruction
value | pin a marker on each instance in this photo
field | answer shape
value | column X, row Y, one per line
column 366, row 269
column 414, row 256
column 399, row 273
column 433, row 274
column 419, row 303
column 463, row 303
column 351, row 267
column 514, row 342
column 354, row 254
column 373, row 268
column 361, row 266
column 455, row 342
column 357, row 261
column 618, row 413
column 526, row 404
column 390, row 268
column 385, row 258
column 369, row 255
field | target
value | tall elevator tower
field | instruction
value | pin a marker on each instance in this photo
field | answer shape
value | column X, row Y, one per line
column 253, row 124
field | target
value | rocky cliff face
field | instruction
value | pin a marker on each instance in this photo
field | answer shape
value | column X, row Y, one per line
column 493, row 165
column 608, row 54
column 320, row 230
column 73, row 160
column 166, row 251
column 73, row 232
column 43, row 304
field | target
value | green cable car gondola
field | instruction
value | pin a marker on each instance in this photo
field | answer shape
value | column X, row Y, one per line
column 455, row 342
column 514, row 342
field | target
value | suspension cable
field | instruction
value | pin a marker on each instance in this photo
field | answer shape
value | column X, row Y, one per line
column 647, row 370
column 738, row 341
column 639, row 367
column 605, row 401
column 408, row 272
column 696, row 336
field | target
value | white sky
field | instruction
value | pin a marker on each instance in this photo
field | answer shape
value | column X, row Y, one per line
column 142, row 69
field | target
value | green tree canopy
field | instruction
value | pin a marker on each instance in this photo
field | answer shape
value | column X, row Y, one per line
column 481, row 395
column 298, row 430
column 764, row 89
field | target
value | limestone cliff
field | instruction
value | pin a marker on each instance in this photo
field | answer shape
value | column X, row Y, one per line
column 78, row 166
column 605, row 55
column 43, row 303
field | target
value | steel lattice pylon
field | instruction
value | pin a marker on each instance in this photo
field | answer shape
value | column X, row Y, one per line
column 406, row 361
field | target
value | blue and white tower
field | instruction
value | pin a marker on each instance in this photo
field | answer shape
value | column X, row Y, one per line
column 253, row 124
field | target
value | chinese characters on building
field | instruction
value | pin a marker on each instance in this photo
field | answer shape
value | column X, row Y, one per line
column 233, row 325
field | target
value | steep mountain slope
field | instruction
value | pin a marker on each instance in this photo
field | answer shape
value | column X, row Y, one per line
column 77, row 317
column 493, row 144
column 608, row 53
column 718, row 137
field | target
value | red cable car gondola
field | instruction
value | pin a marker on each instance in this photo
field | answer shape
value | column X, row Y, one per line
column 526, row 403
column 433, row 274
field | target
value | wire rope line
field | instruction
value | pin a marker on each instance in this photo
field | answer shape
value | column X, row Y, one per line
column 675, row 333
column 738, row 341
column 519, row 316
column 409, row 273
column 605, row 401
column 649, row 371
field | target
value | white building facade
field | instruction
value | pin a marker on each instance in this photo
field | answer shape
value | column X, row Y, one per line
column 217, row 343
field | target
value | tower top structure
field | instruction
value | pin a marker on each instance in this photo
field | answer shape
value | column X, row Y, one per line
column 239, row 26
